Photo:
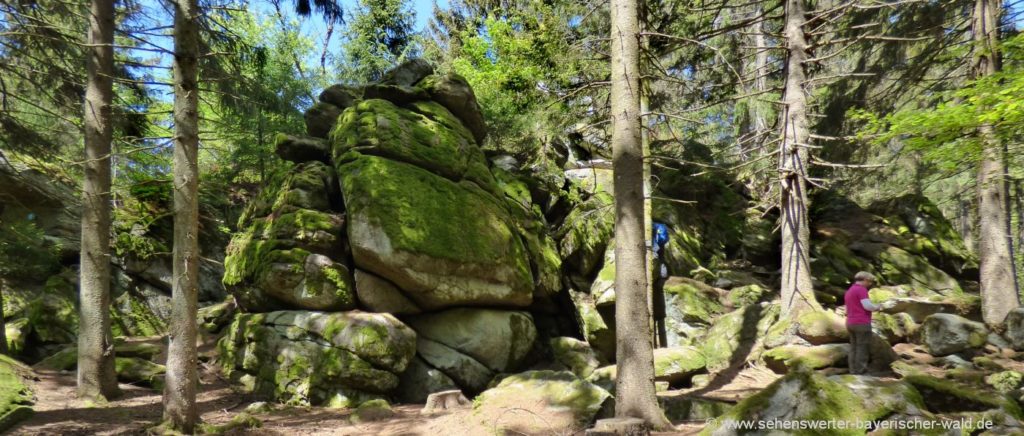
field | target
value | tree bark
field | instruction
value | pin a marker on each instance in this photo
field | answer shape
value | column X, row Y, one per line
column 635, row 394
column 797, row 291
column 995, row 247
column 3, row 321
column 182, row 379
column 96, row 376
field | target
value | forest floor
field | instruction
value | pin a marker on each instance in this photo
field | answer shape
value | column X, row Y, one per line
column 59, row 412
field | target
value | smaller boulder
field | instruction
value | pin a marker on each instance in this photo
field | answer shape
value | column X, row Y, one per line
column 1015, row 328
column 943, row 334
column 536, row 402
column 320, row 119
column 340, row 95
column 460, row 368
column 373, row 410
column 575, row 355
column 1006, row 381
column 301, row 149
column 677, row 364
column 446, row 400
column 408, row 73
column 397, row 94
column 136, row 370
column 454, row 93
column 822, row 327
column 379, row 295
column 789, row 357
column 420, row 381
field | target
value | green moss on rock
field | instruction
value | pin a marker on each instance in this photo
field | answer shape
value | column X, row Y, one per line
column 736, row 337
column 1006, row 381
column 307, row 358
column 442, row 242
column 428, row 136
column 694, row 300
column 565, row 402
column 792, row 357
column 15, row 395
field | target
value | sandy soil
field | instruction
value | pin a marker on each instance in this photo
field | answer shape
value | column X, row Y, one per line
column 59, row 412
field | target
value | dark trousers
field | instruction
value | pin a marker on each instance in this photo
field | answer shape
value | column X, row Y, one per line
column 860, row 347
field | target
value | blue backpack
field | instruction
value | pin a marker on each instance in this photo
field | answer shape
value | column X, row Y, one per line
column 660, row 234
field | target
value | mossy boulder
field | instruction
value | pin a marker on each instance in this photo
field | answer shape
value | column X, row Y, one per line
column 943, row 334
column 40, row 318
column 746, row 295
column 790, row 357
column 139, row 311
column 677, row 364
column 600, row 334
column 499, row 339
column 424, row 134
column 140, row 371
column 310, row 185
column 948, row 396
column 1014, row 330
column 901, row 267
column 576, row 355
column 540, row 401
column 468, row 373
column 1005, row 381
column 592, row 180
column 420, row 380
column 307, row 358
column 454, row 93
column 933, row 235
column 294, row 279
column 681, row 407
column 895, row 327
column 300, row 149
column 443, row 243
column 737, row 337
column 285, row 256
column 15, row 394
column 673, row 365
column 378, row 295
column 215, row 317
column 373, row 410
column 585, row 233
column 691, row 300
column 810, row 396
column 320, row 119
column 821, row 327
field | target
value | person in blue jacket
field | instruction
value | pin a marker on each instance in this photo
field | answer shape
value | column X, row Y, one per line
column 659, row 240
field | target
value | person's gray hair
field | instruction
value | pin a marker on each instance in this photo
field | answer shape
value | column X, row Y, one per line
column 863, row 276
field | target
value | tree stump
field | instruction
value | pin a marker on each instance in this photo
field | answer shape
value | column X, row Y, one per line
column 445, row 400
column 619, row 427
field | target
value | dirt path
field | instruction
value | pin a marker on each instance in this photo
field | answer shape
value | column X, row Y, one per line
column 59, row 412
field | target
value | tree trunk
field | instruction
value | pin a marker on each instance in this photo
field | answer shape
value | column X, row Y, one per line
column 995, row 252
column 1019, row 196
column 797, row 291
column 3, row 322
column 182, row 378
column 635, row 394
column 96, row 376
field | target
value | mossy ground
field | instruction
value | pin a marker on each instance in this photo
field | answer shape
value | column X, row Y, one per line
column 15, row 396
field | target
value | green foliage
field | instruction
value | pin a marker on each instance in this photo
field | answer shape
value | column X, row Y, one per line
column 25, row 252
column 946, row 132
column 526, row 63
column 379, row 37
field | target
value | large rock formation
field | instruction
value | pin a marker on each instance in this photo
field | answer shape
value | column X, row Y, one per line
column 392, row 208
